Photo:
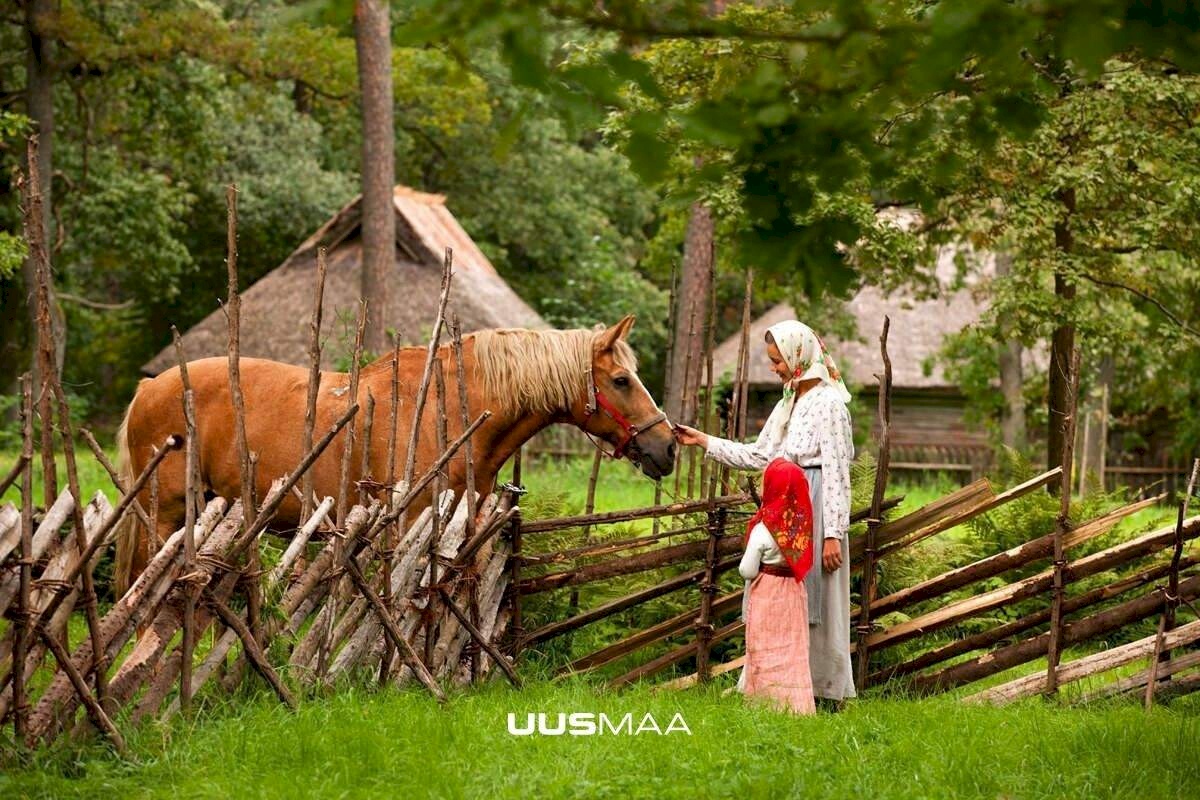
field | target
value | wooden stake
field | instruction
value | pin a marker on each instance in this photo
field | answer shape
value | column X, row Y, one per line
column 188, row 646
column 35, row 236
column 709, row 406
column 314, row 380
column 588, row 508
column 469, row 460
column 233, row 314
column 1171, row 596
column 708, row 588
column 439, row 485
column 876, row 518
column 364, row 469
column 1062, row 525
column 685, row 396
column 410, row 457
column 390, row 533
column 23, row 628
column 351, row 399
column 733, row 420
column 87, row 584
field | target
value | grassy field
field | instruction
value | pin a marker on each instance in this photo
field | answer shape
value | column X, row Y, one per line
column 402, row 744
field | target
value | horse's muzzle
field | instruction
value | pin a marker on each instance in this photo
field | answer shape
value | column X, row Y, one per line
column 654, row 453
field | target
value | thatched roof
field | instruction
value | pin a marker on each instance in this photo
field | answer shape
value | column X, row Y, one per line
column 918, row 329
column 276, row 309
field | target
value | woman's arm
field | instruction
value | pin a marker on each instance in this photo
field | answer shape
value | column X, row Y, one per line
column 753, row 456
column 837, row 452
column 737, row 455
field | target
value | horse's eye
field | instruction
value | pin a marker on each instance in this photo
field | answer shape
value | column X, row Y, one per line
column 621, row 381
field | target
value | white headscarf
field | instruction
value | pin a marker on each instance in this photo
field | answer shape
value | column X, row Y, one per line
column 806, row 357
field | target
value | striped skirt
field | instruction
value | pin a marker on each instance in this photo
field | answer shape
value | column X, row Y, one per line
column 777, row 644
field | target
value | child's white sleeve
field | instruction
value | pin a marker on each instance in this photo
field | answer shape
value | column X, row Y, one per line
column 752, row 558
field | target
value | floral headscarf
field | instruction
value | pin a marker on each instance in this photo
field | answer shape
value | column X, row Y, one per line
column 787, row 513
column 806, row 356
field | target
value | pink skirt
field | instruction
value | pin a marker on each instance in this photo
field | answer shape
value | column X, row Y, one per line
column 777, row 644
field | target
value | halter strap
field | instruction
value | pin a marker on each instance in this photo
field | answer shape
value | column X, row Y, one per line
column 597, row 401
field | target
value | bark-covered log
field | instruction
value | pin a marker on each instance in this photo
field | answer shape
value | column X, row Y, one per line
column 1019, row 556
column 1026, row 650
column 1088, row 665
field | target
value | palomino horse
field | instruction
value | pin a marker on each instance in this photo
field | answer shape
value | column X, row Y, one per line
column 528, row 379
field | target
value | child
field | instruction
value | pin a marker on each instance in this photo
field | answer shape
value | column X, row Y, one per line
column 778, row 555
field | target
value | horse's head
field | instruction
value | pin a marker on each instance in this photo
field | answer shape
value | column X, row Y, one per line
column 618, row 408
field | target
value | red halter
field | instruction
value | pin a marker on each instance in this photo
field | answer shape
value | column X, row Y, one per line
column 597, row 401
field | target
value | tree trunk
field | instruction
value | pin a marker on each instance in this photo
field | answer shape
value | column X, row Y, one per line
column 695, row 283
column 1094, row 449
column 373, row 43
column 1012, row 418
column 39, row 106
column 1062, row 346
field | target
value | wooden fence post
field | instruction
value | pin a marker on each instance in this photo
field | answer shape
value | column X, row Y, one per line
column 708, row 587
column 867, row 595
column 514, row 571
column 1171, row 596
column 1061, row 526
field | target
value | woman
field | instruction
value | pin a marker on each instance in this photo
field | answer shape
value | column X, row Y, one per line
column 810, row 426
column 778, row 555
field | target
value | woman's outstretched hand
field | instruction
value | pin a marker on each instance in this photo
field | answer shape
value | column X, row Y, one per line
column 685, row 435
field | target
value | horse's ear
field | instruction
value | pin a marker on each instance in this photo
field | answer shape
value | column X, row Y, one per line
column 606, row 340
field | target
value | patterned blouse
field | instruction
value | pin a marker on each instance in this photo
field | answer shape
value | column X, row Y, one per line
column 818, row 433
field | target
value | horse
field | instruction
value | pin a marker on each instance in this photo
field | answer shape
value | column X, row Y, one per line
column 528, row 379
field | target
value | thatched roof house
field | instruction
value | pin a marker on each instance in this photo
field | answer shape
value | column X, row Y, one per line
column 277, row 308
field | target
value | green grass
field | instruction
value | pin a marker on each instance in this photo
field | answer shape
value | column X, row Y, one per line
column 403, row 744
column 92, row 477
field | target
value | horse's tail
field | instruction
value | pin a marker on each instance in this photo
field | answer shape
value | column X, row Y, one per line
column 127, row 529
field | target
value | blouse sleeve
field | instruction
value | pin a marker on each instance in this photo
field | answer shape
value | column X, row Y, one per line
column 753, row 456
column 752, row 558
column 837, row 451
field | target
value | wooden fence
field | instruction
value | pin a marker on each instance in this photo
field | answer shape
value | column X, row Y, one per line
column 1117, row 588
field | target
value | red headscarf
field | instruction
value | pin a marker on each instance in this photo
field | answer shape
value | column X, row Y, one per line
column 787, row 512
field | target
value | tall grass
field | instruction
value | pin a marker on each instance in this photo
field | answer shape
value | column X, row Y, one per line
column 403, row 744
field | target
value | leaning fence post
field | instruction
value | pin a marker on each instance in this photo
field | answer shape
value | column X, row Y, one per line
column 708, row 587
column 867, row 595
column 514, row 577
column 1171, row 596
column 22, row 629
column 1061, row 525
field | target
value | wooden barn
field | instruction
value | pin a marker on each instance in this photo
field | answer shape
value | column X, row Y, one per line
column 277, row 308
column 929, row 431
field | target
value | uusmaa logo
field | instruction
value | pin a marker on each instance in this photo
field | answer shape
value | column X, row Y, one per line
column 585, row 723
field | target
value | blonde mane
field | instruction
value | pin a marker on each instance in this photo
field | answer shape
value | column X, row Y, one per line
column 539, row 371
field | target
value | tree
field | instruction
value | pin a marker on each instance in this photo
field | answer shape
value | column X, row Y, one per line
column 1091, row 209
column 373, row 43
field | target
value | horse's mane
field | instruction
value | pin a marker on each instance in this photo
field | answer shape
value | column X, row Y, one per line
column 539, row 371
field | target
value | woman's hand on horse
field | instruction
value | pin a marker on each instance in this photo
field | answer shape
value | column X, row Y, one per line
column 831, row 558
column 685, row 435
